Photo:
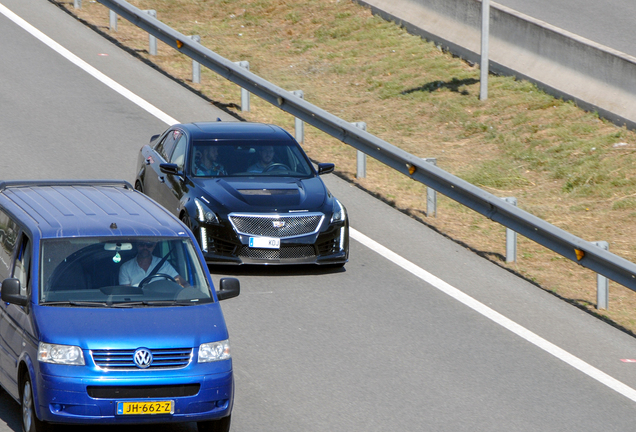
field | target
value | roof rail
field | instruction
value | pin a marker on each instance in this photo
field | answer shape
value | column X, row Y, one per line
column 28, row 183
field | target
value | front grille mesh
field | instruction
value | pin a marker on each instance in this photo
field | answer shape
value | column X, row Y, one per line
column 161, row 358
column 277, row 226
column 284, row 253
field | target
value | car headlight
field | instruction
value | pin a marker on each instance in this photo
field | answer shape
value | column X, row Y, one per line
column 204, row 214
column 60, row 354
column 339, row 212
column 214, row 351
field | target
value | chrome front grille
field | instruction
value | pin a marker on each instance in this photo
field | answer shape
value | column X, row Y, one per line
column 276, row 225
column 124, row 359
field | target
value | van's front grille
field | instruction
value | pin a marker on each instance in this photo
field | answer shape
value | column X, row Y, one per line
column 124, row 359
column 143, row 392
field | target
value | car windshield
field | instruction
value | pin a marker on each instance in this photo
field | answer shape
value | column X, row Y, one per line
column 122, row 272
column 249, row 158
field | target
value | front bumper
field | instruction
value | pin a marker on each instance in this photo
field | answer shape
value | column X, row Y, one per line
column 64, row 399
column 222, row 246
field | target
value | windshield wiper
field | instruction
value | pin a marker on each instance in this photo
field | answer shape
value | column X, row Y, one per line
column 75, row 303
column 152, row 303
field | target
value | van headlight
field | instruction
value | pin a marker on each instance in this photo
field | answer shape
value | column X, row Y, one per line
column 60, row 354
column 214, row 351
column 339, row 212
column 204, row 214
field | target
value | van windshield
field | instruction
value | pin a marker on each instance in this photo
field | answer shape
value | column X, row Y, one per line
column 122, row 272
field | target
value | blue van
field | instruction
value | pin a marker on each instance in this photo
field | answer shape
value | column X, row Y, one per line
column 108, row 312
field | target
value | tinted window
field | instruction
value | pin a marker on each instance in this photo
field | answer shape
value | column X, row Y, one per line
column 166, row 145
column 178, row 156
column 8, row 240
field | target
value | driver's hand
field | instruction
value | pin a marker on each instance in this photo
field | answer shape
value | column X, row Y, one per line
column 181, row 281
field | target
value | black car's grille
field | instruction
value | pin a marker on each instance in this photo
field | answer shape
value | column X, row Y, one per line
column 329, row 247
column 143, row 392
column 161, row 358
column 220, row 247
column 278, row 226
column 284, row 253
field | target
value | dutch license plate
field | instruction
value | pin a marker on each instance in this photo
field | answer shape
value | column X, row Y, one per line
column 265, row 242
column 145, row 408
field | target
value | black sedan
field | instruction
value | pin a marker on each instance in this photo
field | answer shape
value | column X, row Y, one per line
column 248, row 192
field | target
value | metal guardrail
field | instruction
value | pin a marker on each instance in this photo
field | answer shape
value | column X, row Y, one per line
column 585, row 253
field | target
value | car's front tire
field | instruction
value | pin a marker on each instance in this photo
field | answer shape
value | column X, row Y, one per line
column 220, row 425
column 30, row 422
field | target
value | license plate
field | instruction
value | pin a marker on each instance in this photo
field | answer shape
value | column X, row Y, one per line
column 265, row 242
column 145, row 408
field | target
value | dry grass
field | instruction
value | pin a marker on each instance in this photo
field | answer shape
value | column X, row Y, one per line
column 564, row 165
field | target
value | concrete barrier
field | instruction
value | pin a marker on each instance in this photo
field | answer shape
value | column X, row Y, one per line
column 568, row 66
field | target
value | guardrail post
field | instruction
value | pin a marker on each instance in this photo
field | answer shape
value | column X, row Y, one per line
column 299, row 125
column 602, row 283
column 431, row 194
column 77, row 4
column 361, row 157
column 196, row 66
column 485, row 30
column 152, row 40
column 511, row 237
column 245, row 95
column 112, row 20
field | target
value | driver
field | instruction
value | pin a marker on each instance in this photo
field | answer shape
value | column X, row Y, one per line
column 135, row 270
column 266, row 158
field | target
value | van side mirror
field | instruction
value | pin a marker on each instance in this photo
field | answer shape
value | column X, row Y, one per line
column 11, row 292
column 230, row 287
column 325, row 168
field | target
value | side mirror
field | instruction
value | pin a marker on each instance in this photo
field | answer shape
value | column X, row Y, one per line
column 11, row 292
column 230, row 287
column 170, row 168
column 325, row 168
column 154, row 137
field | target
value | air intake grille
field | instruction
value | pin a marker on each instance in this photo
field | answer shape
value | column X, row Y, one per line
column 278, row 226
column 284, row 253
column 161, row 358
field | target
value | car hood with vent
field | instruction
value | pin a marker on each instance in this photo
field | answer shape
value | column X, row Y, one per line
column 263, row 194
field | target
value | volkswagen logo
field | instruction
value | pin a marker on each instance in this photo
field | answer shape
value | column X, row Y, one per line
column 278, row 223
column 143, row 358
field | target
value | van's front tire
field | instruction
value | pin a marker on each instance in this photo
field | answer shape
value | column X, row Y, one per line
column 30, row 422
column 220, row 425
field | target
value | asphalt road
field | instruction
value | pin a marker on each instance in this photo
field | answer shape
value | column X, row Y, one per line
column 608, row 22
column 380, row 345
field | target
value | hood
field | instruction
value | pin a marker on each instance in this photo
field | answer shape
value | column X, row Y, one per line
column 262, row 194
column 127, row 328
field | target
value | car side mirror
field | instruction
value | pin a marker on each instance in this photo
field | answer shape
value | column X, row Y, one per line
column 154, row 137
column 11, row 292
column 170, row 168
column 230, row 287
column 325, row 168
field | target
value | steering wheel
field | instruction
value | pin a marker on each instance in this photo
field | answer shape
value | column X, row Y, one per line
column 147, row 279
column 277, row 166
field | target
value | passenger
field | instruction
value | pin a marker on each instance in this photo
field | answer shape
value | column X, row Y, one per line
column 207, row 164
column 266, row 158
column 135, row 270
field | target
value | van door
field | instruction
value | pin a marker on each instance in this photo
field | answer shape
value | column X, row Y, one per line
column 8, row 245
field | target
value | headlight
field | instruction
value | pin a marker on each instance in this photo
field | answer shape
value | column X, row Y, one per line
column 60, row 354
column 339, row 212
column 204, row 214
column 214, row 351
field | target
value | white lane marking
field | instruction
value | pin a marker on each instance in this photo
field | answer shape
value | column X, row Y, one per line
column 87, row 68
column 489, row 313
column 526, row 334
